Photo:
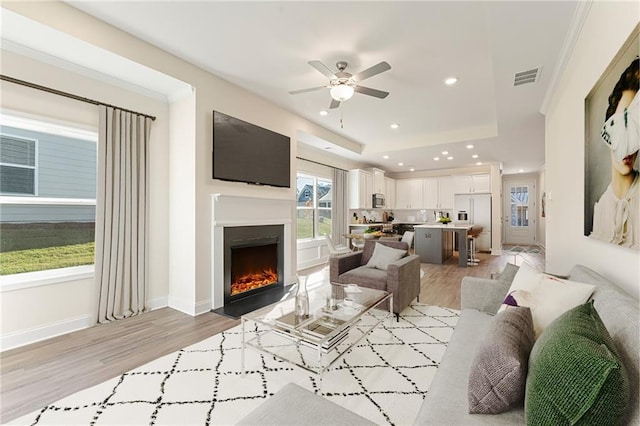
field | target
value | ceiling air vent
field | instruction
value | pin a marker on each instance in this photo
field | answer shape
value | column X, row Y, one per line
column 525, row 77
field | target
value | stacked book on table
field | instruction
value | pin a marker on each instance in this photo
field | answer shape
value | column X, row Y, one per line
column 314, row 328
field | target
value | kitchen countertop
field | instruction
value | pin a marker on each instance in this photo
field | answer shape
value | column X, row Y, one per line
column 451, row 225
column 401, row 222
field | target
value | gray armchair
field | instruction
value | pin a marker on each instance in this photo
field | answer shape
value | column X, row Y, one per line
column 402, row 277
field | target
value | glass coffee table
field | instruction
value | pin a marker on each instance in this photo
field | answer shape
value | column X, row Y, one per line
column 315, row 343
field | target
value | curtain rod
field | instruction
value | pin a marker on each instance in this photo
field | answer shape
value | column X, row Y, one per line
column 322, row 164
column 68, row 95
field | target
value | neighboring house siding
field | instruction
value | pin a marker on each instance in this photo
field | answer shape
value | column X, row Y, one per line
column 66, row 167
column 15, row 213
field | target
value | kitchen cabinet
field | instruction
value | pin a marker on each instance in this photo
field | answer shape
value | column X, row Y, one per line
column 409, row 194
column 379, row 186
column 468, row 184
column 446, row 191
column 438, row 193
column 390, row 193
column 481, row 183
column 360, row 189
column 430, row 193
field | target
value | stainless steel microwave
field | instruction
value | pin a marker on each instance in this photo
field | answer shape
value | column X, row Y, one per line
column 377, row 200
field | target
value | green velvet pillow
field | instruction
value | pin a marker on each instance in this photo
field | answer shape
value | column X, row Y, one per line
column 575, row 374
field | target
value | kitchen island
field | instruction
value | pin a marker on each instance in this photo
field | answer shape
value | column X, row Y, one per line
column 433, row 242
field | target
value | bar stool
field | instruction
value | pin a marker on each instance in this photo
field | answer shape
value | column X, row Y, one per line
column 472, row 236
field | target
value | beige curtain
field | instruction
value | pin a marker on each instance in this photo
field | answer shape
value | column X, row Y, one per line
column 339, row 209
column 121, row 213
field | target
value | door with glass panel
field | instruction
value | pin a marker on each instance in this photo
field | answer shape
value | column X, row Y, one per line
column 520, row 212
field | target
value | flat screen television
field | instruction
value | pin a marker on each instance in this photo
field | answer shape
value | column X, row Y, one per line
column 244, row 152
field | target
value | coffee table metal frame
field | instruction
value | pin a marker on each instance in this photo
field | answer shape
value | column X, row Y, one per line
column 295, row 345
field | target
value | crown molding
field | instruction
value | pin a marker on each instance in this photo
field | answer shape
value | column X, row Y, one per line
column 577, row 22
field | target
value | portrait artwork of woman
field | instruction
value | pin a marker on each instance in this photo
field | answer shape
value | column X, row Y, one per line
column 616, row 215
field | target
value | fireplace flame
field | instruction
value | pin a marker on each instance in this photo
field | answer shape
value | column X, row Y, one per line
column 254, row 280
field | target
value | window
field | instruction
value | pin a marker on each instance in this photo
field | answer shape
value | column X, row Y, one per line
column 314, row 200
column 17, row 165
column 47, row 195
column 520, row 206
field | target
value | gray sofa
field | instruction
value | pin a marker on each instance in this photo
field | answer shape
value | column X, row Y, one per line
column 402, row 277
column 446, row 401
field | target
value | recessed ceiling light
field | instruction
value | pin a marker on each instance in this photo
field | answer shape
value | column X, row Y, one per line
column 436, row 158
column 412, row 169
column 479, row 163
column 400, row 164
column 450, row 81
column 474, row 156
column 445, row 152
column 520, row 171
column 394, row 125
column 449, row 158
column 469, row 146
column 385, row 157
column 324, row 113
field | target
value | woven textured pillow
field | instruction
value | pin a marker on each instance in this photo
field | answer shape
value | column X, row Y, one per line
column 498, row 372
column 575, row 373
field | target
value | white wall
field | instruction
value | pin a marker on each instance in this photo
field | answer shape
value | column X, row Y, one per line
column 182, row 198
column 39, row 312
column 607, row 27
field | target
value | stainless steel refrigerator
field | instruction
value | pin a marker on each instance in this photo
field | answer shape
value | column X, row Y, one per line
column 478, row 209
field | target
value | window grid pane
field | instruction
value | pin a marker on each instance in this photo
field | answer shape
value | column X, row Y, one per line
column 519, row 206
column 17, row 180
column 51, row 235
column 314, row 202
column 17, row 151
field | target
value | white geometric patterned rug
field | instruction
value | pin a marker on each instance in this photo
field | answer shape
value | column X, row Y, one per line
column 384, row 379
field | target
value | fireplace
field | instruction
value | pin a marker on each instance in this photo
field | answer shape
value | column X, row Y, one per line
column 239, row 223
column 253, row 263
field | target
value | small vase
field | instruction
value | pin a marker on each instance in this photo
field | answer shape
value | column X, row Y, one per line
column 302, row 298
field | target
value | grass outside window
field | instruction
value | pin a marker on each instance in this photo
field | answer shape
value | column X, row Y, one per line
column 31, row 247
column 42, row 259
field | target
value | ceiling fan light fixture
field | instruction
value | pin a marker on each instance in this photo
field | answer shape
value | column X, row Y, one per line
column 342, row 92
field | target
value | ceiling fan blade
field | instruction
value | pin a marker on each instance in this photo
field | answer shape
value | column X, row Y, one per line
column 323, row 69
column 371, row 92
column 312, row 89
column 334, row 104
column 370, row 72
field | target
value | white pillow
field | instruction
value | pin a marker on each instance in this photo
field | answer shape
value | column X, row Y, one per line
column 383, row 255
column 527, row 278
column 548, row 297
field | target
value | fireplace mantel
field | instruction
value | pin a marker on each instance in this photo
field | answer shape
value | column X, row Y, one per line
column 234, row 210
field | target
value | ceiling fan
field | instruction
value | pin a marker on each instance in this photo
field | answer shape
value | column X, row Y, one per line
column 342, row 84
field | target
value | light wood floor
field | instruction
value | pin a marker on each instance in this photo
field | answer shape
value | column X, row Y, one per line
column 35, row 375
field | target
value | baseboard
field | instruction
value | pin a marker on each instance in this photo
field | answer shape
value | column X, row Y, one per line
column 36, row 334
column 160, row 302
column 203, row 307
column 312, row 263
column 189, row 308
